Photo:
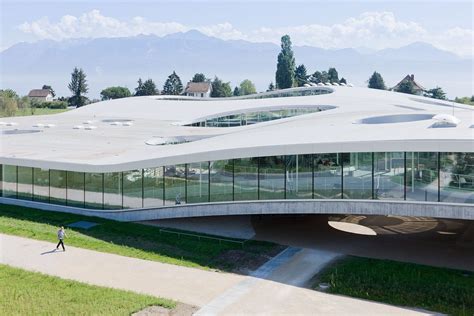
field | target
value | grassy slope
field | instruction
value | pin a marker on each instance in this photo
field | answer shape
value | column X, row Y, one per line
column 27, row 112
column 405, row 284
column 32, row 293
column 130, row 239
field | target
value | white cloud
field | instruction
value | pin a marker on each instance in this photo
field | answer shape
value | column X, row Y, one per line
column 375, row 30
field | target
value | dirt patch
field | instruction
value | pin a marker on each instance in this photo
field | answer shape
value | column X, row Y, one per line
column 181, row 309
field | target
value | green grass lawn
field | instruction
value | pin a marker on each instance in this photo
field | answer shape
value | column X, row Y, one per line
column 39, row 111
column 405, row 284
column 31, row 293
column 135, row 240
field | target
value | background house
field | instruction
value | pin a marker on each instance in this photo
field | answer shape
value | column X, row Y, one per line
column 198, row 89
column 418, row 88
column 41, row 95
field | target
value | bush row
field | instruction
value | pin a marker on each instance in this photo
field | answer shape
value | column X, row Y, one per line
column 50, row 105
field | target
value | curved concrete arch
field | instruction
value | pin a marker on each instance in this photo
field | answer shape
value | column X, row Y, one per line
column 273, row 207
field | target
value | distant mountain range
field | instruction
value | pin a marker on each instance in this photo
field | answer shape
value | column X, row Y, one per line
column 121, row 61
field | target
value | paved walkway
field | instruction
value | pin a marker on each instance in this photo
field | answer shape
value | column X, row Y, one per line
column 272, row 289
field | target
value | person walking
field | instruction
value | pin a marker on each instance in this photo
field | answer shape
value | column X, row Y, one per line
column 61, row 235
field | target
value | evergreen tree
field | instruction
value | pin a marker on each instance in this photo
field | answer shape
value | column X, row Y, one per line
column 406, row 87
column 285, row 73
column 247, row 87
column 146, row 88
column 173, row 85
column 333, row 76
column 271, row 87
column 324, row 76
column 220, row 89
column 300, row 75
column 316, row 77
column 436, row 93
column 343, row 80
column 376, row 82
column 199, row 77
column 78, row 87
column 236, row 92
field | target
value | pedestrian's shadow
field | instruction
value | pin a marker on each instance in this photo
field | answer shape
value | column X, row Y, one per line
column 51, row 251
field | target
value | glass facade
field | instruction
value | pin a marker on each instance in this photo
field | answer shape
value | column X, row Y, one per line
column 415, row 176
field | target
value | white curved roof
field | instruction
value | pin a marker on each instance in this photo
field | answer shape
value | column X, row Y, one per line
column 363, row 120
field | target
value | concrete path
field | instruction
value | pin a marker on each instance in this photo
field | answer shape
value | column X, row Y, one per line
column 272, row 289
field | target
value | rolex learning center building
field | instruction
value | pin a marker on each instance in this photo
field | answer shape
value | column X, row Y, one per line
column 309, row 150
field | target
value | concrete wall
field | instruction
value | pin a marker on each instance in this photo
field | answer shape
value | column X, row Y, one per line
column 362, row 207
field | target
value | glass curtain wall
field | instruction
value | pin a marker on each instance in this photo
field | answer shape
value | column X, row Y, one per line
column 9, row 181
column 175, row 185
column 75, row 188
column 357, row 175
column 25, row 183
column 272, row 178
column 94, row 193
column 132, row 189
column 153, row 181
column 197, row 184
column 457, row 177
column 246, row 179
column 221, row 185
column 112, row 190
column 41, row 185
column 327, row 176
column 58, row 187
column 299, row 177
column 422, row 176
column 389, row 176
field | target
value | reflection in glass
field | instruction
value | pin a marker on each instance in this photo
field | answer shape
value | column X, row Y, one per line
column 457, row 177
column 41, row 185
column 75, row 189
column 246, row 179
column 422, row 176
column 389, row 173
column 357, row 175
column 198, row 182
column 57, row 186
column 327, row 176
column 25, row 183
column 112, row 190
column 175, row 184
column 132, row 189
column 221, row 180
column 9, row 181
column 153, row 187
column 94, row 191
column 299, row 177
column 272, row 178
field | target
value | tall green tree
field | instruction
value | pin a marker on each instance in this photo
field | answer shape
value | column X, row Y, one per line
column 406, row 87
column 199, row 77
column 247, row 87
column 236, row 92
column 115, row 93
column 148, row 87
column 48, row 87
column 436, row 93
column 220, row 89
column 301, row 76
column 324, row 76
column 78, row 87
column 285, row 73
column 376, row 81
column 173, row 85
column 316, row 77
column 333, row 76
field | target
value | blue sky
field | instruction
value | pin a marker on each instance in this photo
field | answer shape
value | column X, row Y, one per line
column 328, row 24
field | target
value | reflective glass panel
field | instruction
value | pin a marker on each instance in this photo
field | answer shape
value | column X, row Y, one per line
column 153, row 187
column 272, row 178
column 327, row 176
column 41, row 184
column 357, row 175
column 132, row 189
column 299, row 177
column 25, row 183
column 457, row 177
column 75, row 189
column 9, row 181
column 175, row 184
column 94, row 192
column 422, row 176
column 57, row 186
column 246, row 179
column 221, row 180
column 389, row 172
column 112, row 190
column 198, row 182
